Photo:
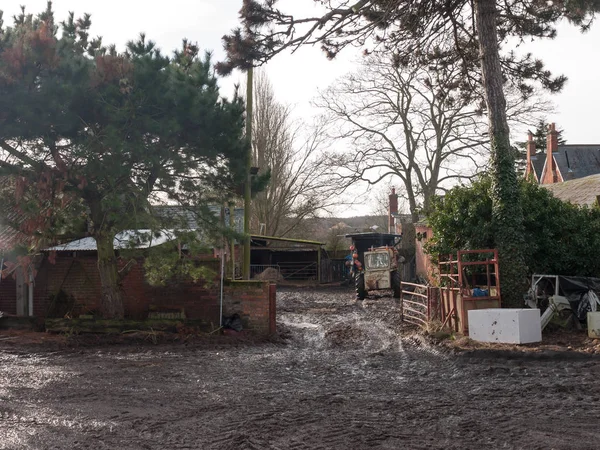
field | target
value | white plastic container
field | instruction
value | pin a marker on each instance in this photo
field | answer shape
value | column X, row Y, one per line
column 504, row 325
column 593, row 324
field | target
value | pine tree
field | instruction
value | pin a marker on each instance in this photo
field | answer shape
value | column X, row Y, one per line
column 540, row 136
column 81, row 123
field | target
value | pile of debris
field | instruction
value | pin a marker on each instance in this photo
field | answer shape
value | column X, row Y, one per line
column 269, row 274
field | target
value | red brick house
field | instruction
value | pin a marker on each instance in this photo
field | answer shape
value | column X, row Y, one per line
column 561, row 162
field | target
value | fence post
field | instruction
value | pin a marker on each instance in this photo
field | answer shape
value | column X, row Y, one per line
column 428, row 304
column 401, row 302
column 272, row 308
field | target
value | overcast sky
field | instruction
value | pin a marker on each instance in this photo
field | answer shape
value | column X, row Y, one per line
column 296, row 78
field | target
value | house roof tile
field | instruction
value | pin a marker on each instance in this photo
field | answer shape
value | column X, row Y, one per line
column 577, row 161
column 581, row 191
column 538, row 162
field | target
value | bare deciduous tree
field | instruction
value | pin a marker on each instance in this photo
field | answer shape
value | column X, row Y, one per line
column 336, row 242
column 380, row 202
column 415, row 124
column 300, row 183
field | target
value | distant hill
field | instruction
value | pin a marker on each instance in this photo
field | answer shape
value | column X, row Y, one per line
column 321, row 228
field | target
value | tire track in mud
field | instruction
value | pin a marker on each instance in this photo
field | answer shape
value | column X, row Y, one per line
column 348, row 376
column 356, row 340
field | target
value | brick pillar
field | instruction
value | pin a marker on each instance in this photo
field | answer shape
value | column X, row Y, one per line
column 550, row 175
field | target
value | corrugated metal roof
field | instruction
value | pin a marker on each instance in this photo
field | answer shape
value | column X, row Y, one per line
column 283, row 239
column 582, row 191
column 127, row 239
column 10, row 238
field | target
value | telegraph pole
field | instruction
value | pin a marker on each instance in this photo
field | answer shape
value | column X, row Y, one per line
column 247, row 190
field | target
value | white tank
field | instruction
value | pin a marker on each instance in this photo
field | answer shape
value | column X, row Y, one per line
column 593, row 324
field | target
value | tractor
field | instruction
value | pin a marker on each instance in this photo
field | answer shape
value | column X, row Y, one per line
column 375, row 263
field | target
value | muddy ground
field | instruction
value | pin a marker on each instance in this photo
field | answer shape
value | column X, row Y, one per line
column 343, row 376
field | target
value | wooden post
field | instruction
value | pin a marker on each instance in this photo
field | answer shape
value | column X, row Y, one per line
column 247, row 193
column 30, row 287
column 272, row 308
column 428, row 304
column 319, row 263
column 455, row 307
column 401, row 302
column 232, row 242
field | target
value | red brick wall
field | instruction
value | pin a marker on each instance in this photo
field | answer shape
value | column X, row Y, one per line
column 8, row 295
column 78, row 277
column 197, row 300
column 424, row 267
column 251, row 300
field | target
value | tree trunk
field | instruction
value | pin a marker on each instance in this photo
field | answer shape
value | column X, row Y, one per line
column 507, row 212
column 112, row 297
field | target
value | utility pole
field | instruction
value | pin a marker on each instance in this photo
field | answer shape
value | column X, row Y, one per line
column 247, row 190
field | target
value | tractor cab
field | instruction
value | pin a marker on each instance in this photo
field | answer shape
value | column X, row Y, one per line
column 375, row 262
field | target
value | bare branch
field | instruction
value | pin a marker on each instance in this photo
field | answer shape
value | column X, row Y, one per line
column 408, row 124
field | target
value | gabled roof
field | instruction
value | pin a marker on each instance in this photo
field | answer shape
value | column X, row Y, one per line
column 582, row 191
column 182, row 217
column 537, row 163
column 577, row 161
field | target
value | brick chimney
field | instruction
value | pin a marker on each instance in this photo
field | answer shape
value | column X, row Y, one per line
column 551, row 147
column 530, row 146
column 393, row 210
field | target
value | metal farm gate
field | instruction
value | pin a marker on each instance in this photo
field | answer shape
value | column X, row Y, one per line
column 469, row 279
column 419, row 303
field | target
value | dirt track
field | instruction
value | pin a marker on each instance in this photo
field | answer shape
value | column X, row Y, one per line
column 344, row 378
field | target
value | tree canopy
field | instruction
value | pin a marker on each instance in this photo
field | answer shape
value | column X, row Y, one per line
column 411, row 30
column 560, row 238
column 113, row 132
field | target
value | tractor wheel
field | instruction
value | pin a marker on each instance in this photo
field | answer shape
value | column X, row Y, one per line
column 396, row 283
column 361, row 293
